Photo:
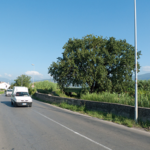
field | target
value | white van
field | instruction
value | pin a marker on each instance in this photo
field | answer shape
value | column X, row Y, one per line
column 20, row 97
column 8, row 92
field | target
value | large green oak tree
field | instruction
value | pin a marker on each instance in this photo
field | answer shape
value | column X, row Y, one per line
column 98, row 63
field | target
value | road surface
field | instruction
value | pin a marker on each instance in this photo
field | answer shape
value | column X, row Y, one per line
column 46, row 127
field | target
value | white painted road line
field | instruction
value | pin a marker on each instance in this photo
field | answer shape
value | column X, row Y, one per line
column 73, row 131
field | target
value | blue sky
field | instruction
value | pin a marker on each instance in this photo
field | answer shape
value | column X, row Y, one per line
column 34, row 31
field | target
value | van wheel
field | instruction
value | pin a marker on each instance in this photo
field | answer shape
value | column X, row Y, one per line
column 15, row 104
column 30, row 105
column 11, row 103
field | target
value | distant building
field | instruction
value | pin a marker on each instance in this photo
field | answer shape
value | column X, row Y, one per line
column 4, row 85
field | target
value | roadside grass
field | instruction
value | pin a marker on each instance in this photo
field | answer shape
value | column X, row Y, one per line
column 123, row 98
column 1, row 92
column 102, row 115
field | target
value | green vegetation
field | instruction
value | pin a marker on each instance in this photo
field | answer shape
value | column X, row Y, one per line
column 32, row 91
column 23, row 80
column 143, row 85
column 78, row 91
column 101, row 115
column 102, row 64
column 123, row 98
column 126, row 98
column 45, row 86
column 2, row 91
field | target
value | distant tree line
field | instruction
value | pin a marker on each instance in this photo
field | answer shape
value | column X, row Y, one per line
column 98, row 63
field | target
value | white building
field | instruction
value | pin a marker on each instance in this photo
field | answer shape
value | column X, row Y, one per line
column 4, row 85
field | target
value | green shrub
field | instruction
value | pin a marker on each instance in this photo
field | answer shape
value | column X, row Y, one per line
column 45, row 86
column 32, row 91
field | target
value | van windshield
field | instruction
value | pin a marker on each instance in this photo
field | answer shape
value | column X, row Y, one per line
column 22, row 94
column 9, row 90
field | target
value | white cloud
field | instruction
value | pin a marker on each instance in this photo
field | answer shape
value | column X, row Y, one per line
column 0, row 75
column 8, row 75
column 35, row 73
column 146, row 68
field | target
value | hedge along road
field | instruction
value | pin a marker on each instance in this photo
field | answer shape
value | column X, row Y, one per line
column 45, row 127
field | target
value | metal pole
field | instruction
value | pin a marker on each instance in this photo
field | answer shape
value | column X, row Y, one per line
column 136, row 79
column 33, row 72
column 21, row 80
column 33, row 75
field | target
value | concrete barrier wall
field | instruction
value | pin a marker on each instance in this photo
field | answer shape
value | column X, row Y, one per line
column 117, row 109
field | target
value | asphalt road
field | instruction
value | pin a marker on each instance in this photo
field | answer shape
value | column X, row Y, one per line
column 46, row 127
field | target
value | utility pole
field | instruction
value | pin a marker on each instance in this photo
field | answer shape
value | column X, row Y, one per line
column 33, row 73
column 21, row 80
column 136, row 79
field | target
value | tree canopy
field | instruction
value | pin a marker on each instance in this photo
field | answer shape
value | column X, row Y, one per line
column 99, row 63
column 23, row 80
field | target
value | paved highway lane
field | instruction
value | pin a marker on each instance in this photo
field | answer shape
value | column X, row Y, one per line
column 46, row 127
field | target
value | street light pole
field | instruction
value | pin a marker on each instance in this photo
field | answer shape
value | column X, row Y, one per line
column 136, row 88
column 33, row 73
column 21, row 80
